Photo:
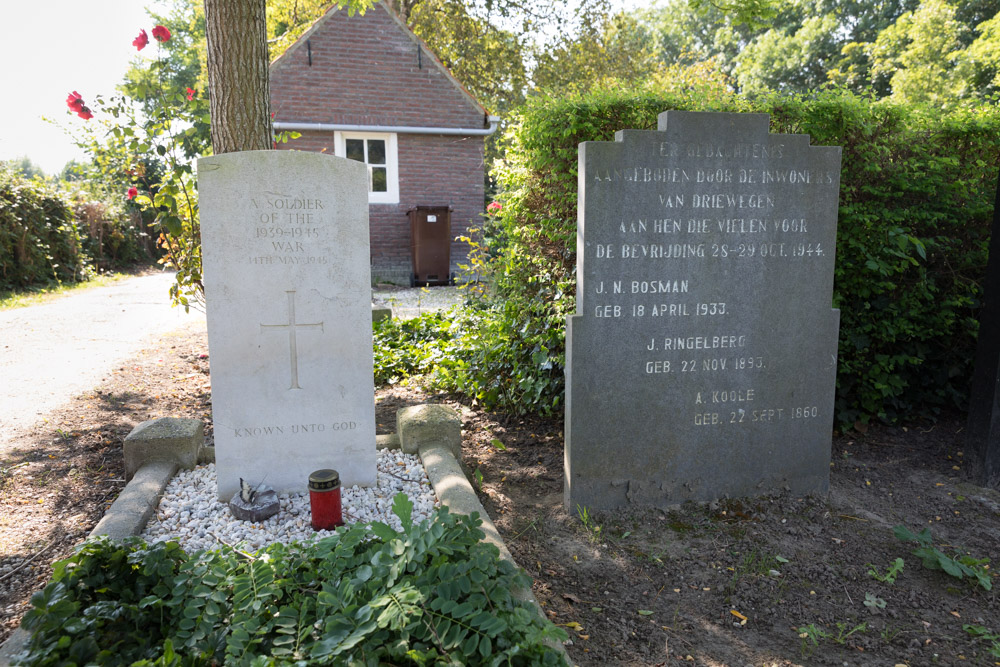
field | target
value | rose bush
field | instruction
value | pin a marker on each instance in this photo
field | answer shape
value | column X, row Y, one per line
column 150, row 149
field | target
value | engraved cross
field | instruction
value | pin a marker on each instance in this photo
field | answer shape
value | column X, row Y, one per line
column 292, row 325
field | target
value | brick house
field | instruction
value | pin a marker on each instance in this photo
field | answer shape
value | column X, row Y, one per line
column 365, row 87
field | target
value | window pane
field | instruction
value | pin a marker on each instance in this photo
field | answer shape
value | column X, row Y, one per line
column 380, row 181
column 376, row 151
column 355, row 149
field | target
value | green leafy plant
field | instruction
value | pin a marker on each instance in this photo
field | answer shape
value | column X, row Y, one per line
column 594, row 529
column 431, row 594
column 890, row 574
column 413, row 347
column 812, row 634
column 960, row 566
column 843, row 632
column 991, row 638
column 874, row 602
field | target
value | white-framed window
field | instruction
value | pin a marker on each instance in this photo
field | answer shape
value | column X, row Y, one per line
column 378, row 151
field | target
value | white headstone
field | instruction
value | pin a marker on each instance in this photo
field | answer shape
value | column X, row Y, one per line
column 288, row 294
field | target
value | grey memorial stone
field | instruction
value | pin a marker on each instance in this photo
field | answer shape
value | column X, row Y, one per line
column 702, row 359
column 287, row 289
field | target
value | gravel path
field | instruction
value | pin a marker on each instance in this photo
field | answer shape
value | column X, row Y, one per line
column 57, row 349
column 410, row 302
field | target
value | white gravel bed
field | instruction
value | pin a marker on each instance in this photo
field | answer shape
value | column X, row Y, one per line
column 191, row 513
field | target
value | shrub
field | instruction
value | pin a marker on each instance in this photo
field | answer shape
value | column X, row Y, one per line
column 49, row 235
column 916, row 198
column 114, row 235
column 409, row 347
column 40, row 240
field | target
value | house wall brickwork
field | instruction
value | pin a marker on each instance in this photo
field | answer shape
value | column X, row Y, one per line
column 366, row 71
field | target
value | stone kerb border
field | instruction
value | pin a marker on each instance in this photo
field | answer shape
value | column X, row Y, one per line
column 431, row 431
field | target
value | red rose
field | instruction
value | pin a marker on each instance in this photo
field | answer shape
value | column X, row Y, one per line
column 190, row 92
column 84, row 113
column 161, row 34
column 494, row 207
column 132, row 192
column 74, row 102
column 141, row 41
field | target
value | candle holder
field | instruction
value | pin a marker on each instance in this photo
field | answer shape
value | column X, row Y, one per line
column 324, row 499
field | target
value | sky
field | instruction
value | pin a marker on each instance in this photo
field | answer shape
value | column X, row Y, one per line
column 49, row 48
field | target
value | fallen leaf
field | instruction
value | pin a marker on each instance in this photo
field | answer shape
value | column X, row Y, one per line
column 737, row 614
column 573, row 625
column 571, row 597
column 597, row 610
column 955, row 614
column 645, row 612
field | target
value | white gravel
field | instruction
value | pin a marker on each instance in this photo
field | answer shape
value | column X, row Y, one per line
column 407, row 303
column 191, row 514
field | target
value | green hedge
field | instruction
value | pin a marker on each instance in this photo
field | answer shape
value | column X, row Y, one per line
column 39, row 239
column 47, row 235
column 916, row 201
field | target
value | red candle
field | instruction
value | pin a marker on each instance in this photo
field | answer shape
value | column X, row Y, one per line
column 324, row 499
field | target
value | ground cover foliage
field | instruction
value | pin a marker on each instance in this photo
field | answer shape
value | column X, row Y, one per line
column 49, row 235
column 916, row 200
column 433, row 594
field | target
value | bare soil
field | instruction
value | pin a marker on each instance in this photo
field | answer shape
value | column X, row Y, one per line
column 738, row 582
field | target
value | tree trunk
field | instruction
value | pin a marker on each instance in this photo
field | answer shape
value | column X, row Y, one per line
column 238, row 75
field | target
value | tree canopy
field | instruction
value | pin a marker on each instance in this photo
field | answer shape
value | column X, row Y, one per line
column 938, row 52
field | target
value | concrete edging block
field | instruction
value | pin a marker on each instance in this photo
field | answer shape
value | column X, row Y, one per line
column 128, row 515
column 164, row 439
column 429, row 424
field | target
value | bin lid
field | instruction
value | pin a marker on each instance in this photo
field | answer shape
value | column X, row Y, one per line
column 448, row 207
